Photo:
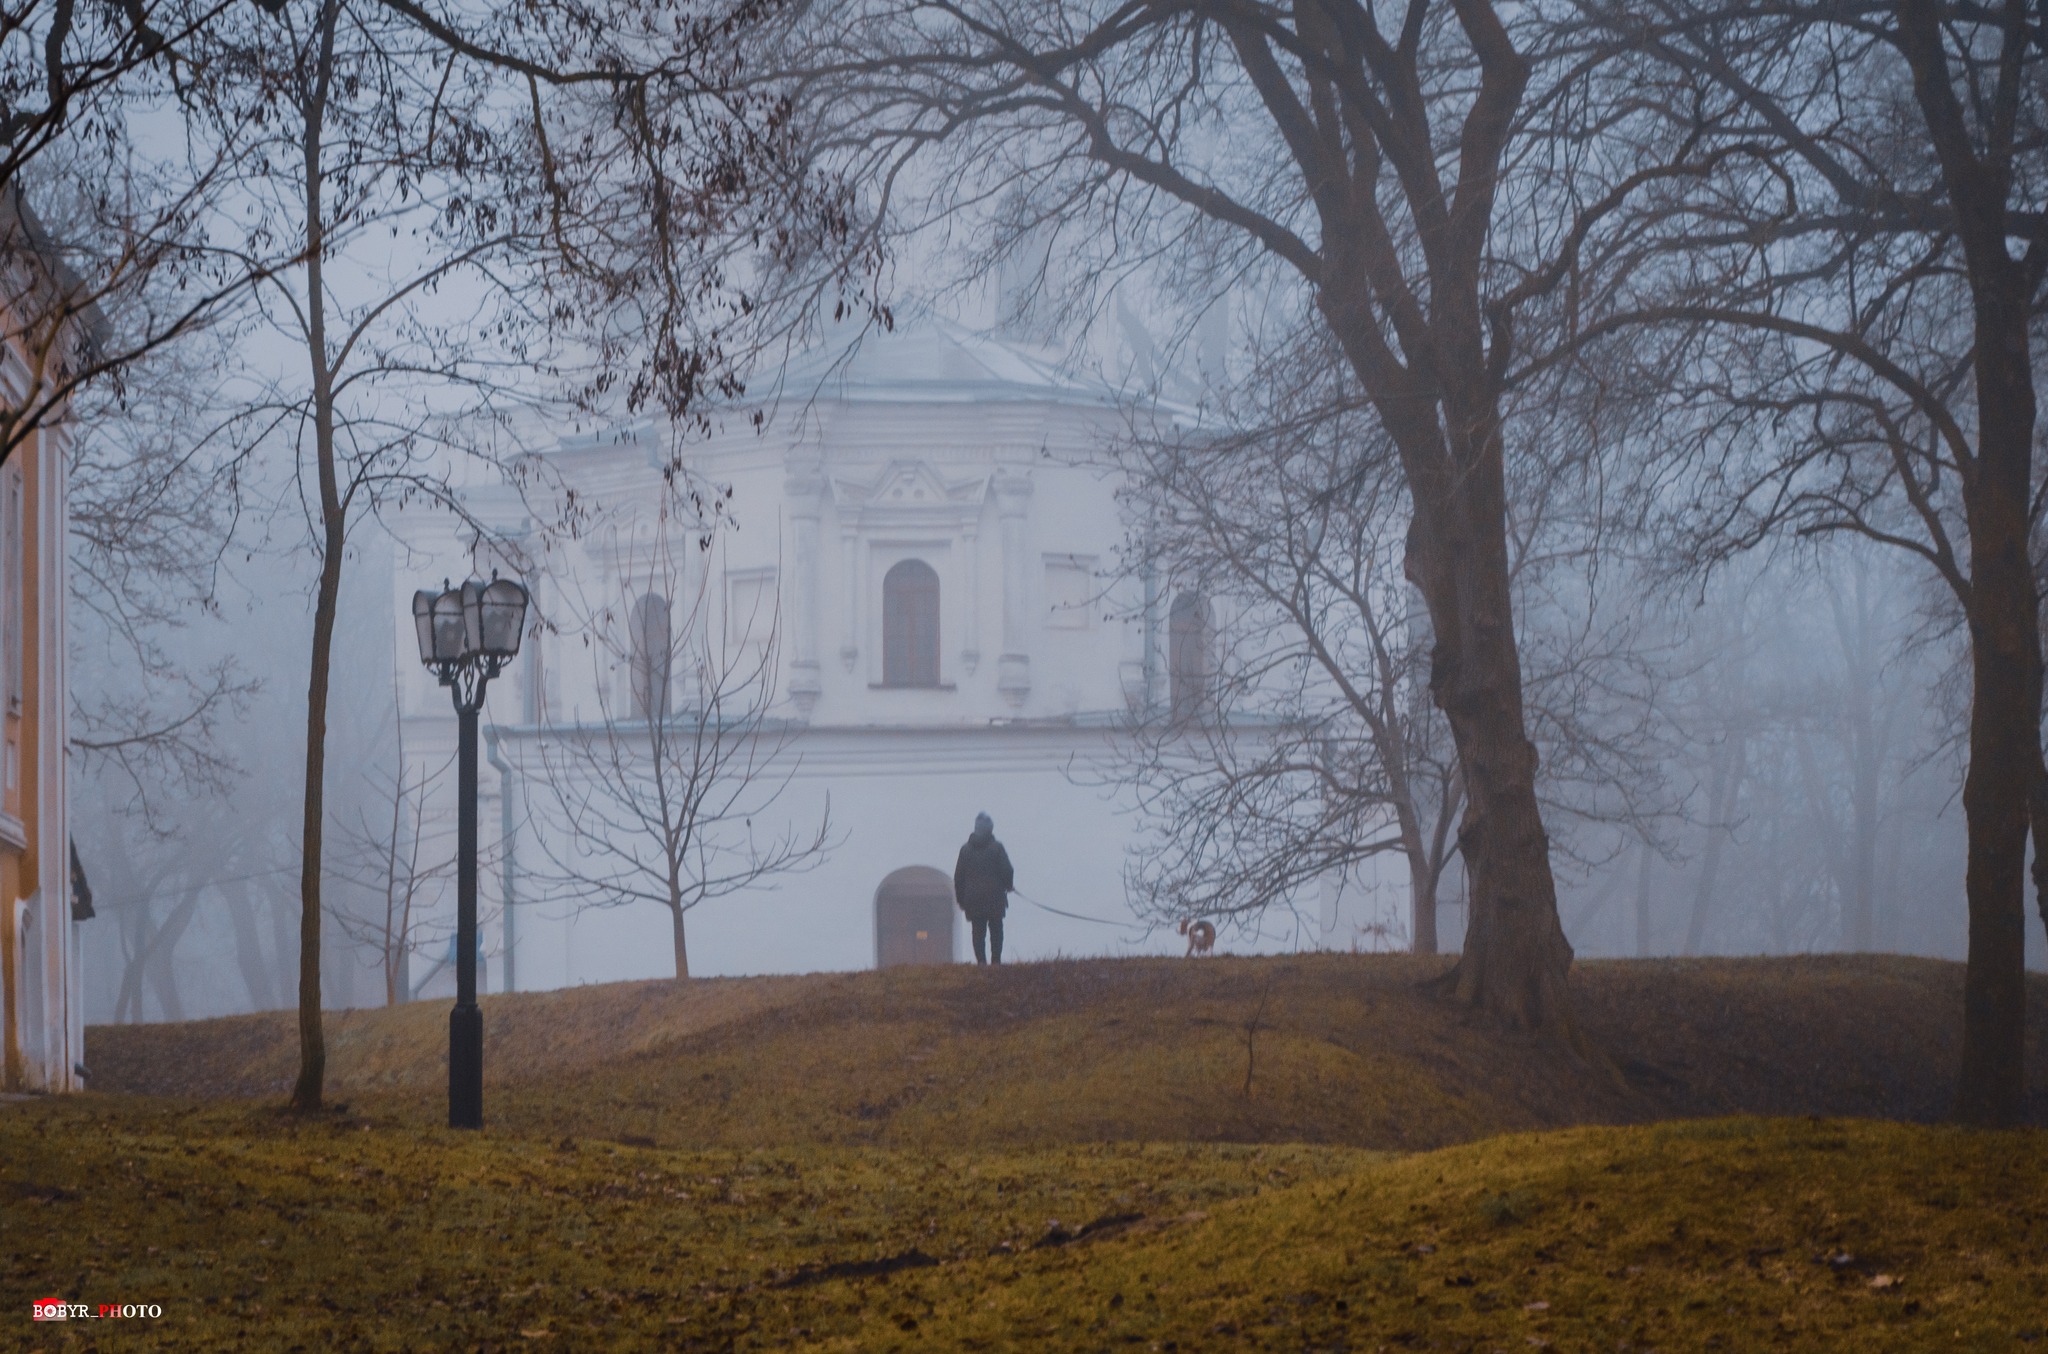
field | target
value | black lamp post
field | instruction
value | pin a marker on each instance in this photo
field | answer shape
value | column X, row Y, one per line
column 467, row 636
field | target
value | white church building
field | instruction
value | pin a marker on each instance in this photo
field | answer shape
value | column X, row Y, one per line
column 920, row 546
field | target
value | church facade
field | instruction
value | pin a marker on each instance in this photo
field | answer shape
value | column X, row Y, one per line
column 917, row 557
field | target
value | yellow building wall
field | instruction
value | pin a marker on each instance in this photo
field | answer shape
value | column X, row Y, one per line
column 19, row 866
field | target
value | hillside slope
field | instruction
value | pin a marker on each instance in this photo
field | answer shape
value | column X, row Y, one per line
column 1730, row 1234
column 253, row 1230
column 1340, row 1049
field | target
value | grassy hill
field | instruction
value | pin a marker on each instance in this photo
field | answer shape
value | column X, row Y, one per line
column 1227, row 1155
column 1340, row 1049
column 255, row 1232
column 1725, row 1234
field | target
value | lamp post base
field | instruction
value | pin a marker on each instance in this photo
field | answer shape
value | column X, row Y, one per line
column 465, row 1067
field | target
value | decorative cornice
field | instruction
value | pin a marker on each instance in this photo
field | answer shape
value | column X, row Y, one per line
column 910, row 493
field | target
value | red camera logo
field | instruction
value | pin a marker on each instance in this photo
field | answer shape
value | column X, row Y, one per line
column 53, row 1309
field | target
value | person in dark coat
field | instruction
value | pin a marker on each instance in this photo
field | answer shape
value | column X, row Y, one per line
column 982, row 883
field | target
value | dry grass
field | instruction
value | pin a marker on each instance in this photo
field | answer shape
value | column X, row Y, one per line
column 1711, row 1235
column 1346, row 1050
column 1060, row 1156
column 533, row 1036
column 254, row 1232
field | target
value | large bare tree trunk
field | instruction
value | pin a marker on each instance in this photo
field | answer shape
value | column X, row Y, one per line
column 306, row 1094
column 1422, row 906
column 2005, row 728
column 1516, row 957
column 2040, row 832
column 2004, row 747
column 2005, row 640
column 682, row 949
column 1439, row 400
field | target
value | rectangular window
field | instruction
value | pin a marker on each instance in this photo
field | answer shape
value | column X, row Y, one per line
column 1072, row 591
column 750, row 603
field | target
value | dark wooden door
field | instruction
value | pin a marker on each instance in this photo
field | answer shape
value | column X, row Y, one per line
column 914, row 918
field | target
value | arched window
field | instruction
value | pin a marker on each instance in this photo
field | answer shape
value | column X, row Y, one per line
column 910, row 625
column 652, row 657
column 1187, row 655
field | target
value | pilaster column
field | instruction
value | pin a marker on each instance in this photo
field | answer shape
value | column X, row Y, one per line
column 970, row 651
column 1013, row 503
column 849, row 574
column 805, row 493
column 1133, row 672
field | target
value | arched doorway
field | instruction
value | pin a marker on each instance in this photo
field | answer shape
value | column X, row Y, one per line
column 914, row 918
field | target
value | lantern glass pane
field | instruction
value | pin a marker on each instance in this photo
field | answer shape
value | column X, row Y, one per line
column 504, row 617
column 472, row 618
column 448, row 627
column 423, row 623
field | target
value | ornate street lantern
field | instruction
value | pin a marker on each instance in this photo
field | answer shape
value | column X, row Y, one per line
column 467, row 635
column 500, row 612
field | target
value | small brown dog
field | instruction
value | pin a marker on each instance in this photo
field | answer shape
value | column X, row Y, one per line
column 1201, row 937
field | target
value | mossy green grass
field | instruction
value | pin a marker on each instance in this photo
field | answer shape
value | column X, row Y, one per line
column 1303, row 1153
column 1740, row 1234
column 254, row 1230
column 257, row 1231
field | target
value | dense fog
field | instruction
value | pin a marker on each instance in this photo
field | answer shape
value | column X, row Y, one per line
column 1784, row 752
column 929, row 474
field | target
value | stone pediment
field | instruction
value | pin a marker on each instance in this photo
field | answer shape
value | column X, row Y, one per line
column 911, row 491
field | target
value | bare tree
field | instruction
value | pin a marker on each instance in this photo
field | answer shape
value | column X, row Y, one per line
column 1804, row 751
column 1383, row 161
column 622, row 218
column 687, row 232
column 1728, row 726
column 1848, row 319
column 1295, row 739
column 367, row 134
column 112, row 231
column 1316, row 745
column 154, row 502
column 149, row 944
column 214, row 857
column 400, row 861
column 671, row 797
column 1861, row 725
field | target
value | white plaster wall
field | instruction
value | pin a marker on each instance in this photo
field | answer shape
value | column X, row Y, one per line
column 895, row 800
column 905, row 769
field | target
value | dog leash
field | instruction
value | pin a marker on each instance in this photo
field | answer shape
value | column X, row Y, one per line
column 1059, row 912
